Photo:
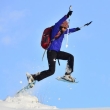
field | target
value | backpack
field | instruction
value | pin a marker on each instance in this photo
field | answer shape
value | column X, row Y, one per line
column 45, row 40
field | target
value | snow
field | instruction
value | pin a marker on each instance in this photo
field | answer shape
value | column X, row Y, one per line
column 29, row 102
column 23, row 102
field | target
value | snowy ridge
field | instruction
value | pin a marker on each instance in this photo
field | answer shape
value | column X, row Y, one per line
column 23, row 102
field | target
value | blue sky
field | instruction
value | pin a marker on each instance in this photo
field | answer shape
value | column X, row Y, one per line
column 21, row 25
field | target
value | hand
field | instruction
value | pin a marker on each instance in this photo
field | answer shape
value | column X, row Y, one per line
column 69, row 14
column 77, row 29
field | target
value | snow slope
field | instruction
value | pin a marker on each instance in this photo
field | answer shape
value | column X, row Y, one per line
column 29, row 102
column 23, row 102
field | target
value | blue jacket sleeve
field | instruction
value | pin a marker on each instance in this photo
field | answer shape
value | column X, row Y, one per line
column 58, row 24
column 70, row 30
column 56, row 28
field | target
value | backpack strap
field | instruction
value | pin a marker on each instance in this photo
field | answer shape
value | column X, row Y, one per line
column 44, row 54
column 58, row 62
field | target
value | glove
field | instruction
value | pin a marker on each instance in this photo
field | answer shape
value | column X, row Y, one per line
column 77, row 29
column 69, row 14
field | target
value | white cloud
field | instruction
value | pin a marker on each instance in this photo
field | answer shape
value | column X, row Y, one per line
column 16, row 15
column 1, row 29
column 7, row 40
column 9, row 17
column 9, row 20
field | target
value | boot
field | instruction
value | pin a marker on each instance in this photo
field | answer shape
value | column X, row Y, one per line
column 29, row 78
column 35, row 76
column 68, row 78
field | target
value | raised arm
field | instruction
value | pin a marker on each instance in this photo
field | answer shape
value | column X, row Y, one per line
column 64, row 18
column 58, row 24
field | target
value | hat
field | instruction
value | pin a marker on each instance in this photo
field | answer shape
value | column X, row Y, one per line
column 65, row 24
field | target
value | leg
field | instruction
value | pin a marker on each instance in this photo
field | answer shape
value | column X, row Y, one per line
column 51, row 56
column 70, row 64
column 67, row 56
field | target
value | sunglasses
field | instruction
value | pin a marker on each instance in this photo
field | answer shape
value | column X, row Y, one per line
column 64, row 27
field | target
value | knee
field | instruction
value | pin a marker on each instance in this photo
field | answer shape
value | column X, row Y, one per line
column 71, row 57
column 52, row 71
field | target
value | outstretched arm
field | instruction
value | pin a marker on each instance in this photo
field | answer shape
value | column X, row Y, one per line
column 72, row 30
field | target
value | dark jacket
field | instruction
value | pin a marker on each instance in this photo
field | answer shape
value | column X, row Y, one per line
column 56, row 44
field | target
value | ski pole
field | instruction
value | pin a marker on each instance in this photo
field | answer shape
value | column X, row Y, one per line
column 43, row 54
column 70, row 9
column 67, row 35
column 86, row 24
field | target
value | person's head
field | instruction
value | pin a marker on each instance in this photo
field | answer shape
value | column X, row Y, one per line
column 64, row 26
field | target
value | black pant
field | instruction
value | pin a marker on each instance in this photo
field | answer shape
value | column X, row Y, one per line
column 52, row 56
